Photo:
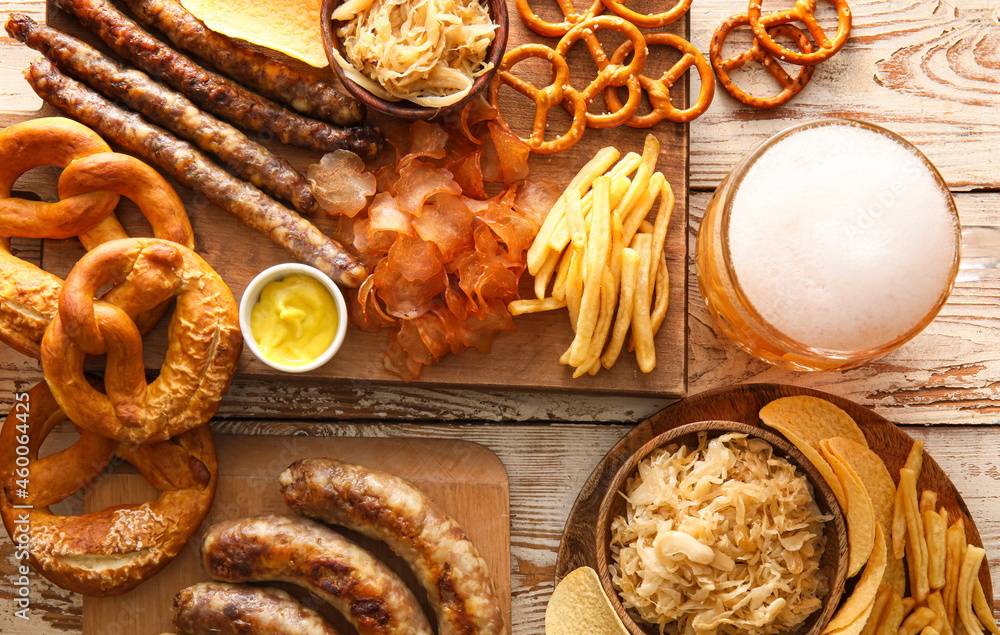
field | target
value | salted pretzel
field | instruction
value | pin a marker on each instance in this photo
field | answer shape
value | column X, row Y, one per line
column 205, row 341
column 556, row 29
column 658, row 90
column 645, row 20
column 92, row 180
column 790, row 85
column 557, row 92
column 609, row 73
column 110, row 551
column 804, row 11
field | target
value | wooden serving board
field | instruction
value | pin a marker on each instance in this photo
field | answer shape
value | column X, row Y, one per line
column 742, row 403
column 527, row 359
column 467, row 480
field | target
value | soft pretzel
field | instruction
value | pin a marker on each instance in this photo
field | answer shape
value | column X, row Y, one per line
column 110, row 551
column 89, row 188
column 205, row 341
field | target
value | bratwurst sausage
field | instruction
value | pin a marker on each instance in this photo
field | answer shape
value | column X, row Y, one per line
column 217, row 94
column 245, row 158
column 194, row 170
column 304, row 552
column 386, row 507
column 218, row 608
column 304, row 92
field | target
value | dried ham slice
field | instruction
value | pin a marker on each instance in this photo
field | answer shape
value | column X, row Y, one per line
column 340, row 183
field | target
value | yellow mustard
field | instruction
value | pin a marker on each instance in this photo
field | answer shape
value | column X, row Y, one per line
column 294, row 320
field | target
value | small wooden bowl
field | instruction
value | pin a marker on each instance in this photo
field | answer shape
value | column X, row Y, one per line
column 834, row 560
column 407, row 109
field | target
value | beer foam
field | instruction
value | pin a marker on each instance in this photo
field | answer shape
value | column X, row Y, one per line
column 842, row 238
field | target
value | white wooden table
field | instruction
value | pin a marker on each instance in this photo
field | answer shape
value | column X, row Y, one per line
column 929, row 71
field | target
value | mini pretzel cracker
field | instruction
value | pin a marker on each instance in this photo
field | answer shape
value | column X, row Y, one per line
column 556, row 29
column 658, row 90
column 790, row 86
column 545, row 99
column 805, row 12
column 205, row 341
column 610, row 73
column 649, row 21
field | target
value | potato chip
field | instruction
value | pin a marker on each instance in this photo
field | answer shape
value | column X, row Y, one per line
column 289, row 26
column 811, row 419
column 820, row 464
column 859, row 513
column 579, row 605
column 881, row 490
column 862, row 599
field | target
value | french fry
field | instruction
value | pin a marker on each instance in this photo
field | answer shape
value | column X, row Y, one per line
column 574, row 282
column 597, row 166
column 909, row 604
column 661, row 295
column 940, row 622
column 892, row 617
column 916, row 554
column 878, row 609
column 915, row 459
column 898, row 524
column 918, row 620
column 934, row 534
column 561, row 235
column 954, row 550
column 930, row 630
column 608, row 297
column 968, row 573
column 642, row 326
column 928, row 500
column 629, row 277
column 545, row 273
column 660, row 226
column 537, row 305
column 650, row 153
column 642, row 206
column 596, row 255
column 982, row 608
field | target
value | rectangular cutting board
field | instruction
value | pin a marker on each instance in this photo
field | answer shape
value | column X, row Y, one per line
column 527, row 359
column 465, row 479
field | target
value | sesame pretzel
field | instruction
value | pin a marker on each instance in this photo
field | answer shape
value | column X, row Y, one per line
column 556, row 29
column 559, row 91
column 610, row 73
column 205, row 342
column 645, row 20
column 659, row 89
column 111, row 551
column 804, row 11
column 790, row 85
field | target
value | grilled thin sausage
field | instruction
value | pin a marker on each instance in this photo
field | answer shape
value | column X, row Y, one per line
column 244, row 158
column 194, row 170
column 218, row 608
column 270, row 77
column 215, row 93
column 386, row 507
column 303, row 552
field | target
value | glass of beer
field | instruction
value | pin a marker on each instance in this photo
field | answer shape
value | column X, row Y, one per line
column 829, row 245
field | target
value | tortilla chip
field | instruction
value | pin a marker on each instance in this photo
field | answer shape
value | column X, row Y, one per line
column 859, row 514
column 291, row 27
column 860, row 604
column 881, row 490
column 579, row 605
column 811, row 419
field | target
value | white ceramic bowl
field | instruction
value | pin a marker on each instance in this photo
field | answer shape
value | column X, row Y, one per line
column 278, row 272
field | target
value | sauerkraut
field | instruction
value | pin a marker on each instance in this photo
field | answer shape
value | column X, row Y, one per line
column 426, row 51
column 725, row 538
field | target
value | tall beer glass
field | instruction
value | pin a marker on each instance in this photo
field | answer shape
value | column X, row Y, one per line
column 829, row 245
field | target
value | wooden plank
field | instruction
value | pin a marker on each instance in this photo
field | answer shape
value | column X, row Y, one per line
column 547, row 465
column 527, row 359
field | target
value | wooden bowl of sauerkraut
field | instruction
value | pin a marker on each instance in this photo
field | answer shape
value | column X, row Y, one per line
column 414, row 59
column 725, row 528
